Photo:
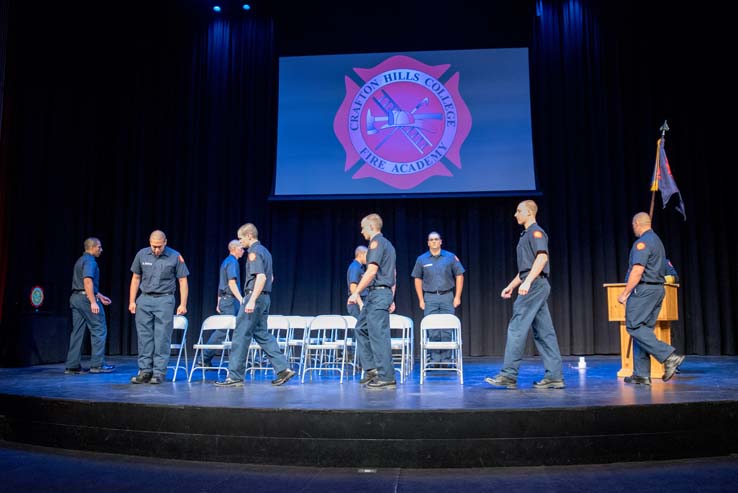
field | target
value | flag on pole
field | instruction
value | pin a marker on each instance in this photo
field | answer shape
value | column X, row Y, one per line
column 663, row 179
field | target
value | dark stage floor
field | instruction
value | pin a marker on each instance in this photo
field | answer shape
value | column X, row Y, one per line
column 40, row 469
column 441, row 424
column 702, row 378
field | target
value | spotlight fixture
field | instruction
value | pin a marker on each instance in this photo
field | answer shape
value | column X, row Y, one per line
column 246, row 6
column 216, row 8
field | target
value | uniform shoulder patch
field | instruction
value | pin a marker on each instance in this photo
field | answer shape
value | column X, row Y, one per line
column 373, row 244
column 181, row 259
column 252, row 256
column 537, row 234
column 640, row 245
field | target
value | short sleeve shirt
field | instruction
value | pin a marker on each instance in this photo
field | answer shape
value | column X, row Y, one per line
column 159, row 274
column 258, row 261
column 86, row 266
column 648, row 251
column 354, row 274
column 382, row 253
column 533, row 241
column 229, row 269
column 438, row 272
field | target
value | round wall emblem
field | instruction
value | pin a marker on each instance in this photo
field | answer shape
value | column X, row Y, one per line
column 37, row 296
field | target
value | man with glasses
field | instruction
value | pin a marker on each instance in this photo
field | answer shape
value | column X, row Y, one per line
column 156, row 270
column 439, row 281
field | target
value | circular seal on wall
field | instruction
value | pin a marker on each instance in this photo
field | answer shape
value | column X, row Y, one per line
column 37, row 296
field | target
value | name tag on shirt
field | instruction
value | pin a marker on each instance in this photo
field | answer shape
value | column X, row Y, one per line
column 428, row 265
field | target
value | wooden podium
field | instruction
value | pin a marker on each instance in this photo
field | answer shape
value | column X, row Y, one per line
column 616, row 313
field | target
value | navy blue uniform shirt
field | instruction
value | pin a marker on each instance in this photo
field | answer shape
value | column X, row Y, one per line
column 258, row 261
column 354, row 274
column 159, row 274
column 382, row 253
column 438, row 272
column 229, row 269
column 532, row 242
column 86, row 266
column 648, row 251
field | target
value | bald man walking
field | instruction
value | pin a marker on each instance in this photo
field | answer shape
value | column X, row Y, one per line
column 642, row 296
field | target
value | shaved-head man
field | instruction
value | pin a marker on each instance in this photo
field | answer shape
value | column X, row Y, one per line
column 157, row 270
column 229, row 296
column 530, row 309
column 642, row 296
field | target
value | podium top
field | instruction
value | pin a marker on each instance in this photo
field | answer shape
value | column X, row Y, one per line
column 616, row 311
column 622, row 284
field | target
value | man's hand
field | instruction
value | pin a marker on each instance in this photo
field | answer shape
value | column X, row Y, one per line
column 421, row 303
column 103, row 299
column 457, row 301
column 94, row 308
column 250, row 305
column 524, row 288
column 623, row 296
column 352, row 299
column 506, row 293
column 392, row 307
column 181, row 310
column 132, row 307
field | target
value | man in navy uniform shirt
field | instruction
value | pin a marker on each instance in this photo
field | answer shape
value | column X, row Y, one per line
column 372, row 332
column 229, row 294
column 439, row 280
column 354, row 273
column 156, row 270
column 251, row 322
column 642, row 295
column 86, row 312
column 531, row 307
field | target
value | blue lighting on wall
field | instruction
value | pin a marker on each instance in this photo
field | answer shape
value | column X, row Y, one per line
column 216, row 8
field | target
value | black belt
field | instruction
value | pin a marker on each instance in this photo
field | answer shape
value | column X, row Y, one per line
column 652, row 283
column 372, row 288
column 251, row 291
column 156, row 295
column 78, row 291
column 438, row 292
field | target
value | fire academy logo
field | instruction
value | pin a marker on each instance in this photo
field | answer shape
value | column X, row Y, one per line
column 403, row 125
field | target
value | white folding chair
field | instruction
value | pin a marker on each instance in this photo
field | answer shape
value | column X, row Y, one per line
column 213, row 322
column 441, row 322
column 294, row 340
column 180, row 324
column 351, row 341
column 324, row 345
column 401, row 342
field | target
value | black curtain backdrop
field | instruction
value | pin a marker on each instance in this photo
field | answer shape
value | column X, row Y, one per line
column 164, row 116
column 4, row 4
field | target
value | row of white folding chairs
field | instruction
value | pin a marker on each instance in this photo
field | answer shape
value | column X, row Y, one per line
column 326, row 341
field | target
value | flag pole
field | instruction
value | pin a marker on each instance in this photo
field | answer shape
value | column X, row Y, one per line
column 655, row 185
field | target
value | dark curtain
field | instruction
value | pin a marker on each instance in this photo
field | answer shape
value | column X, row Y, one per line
column 168, row 120
column 4, row 10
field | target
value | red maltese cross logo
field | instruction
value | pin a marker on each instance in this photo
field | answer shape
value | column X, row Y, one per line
column 402, row 125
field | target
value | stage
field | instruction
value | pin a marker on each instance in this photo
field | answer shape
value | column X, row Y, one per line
column 439, row 424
